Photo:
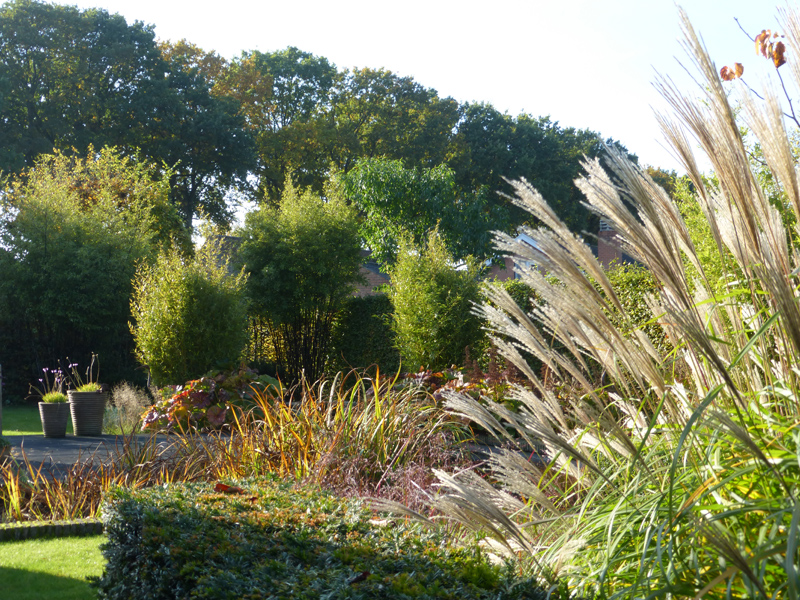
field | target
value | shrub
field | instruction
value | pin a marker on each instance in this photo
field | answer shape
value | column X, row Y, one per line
column 71, row 233
column 266, row 539
column 204, row 403
column 363, row 335
column 189, row 316
column 303, row 259
column 433, row 304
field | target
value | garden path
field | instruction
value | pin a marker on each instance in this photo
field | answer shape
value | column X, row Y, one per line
column 58, row 455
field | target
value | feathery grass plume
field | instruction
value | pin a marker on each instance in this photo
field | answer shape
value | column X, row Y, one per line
column 669, row 475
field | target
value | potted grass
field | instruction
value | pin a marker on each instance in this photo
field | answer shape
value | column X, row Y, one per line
column 87, row 401
column 53, row 409
column 54, row 412
column 5, row 448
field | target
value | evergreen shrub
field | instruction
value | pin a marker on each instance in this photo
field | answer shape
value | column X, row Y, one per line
column 363, row 336
column 270, row 539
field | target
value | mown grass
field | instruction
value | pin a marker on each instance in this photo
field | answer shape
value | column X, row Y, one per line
column 24, row 420
column 50, row 568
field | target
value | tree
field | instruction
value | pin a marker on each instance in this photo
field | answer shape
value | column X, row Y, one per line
column 491, row 148
column 433, row 304
column 71, row 234
column 394, row 201
column 70, row 79
column 189, row 315
column 302, row 259
column 376, row 113
column 203, row 137
column 285, row 118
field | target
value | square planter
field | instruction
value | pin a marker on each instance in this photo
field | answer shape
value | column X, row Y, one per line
column 87, row 410
column 54, row 417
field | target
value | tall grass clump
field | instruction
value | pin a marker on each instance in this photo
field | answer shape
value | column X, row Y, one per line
column 675, row 473
column 356, row 435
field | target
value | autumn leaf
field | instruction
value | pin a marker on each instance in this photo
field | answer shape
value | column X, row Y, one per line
column 728, row 74
column 228, row 489
column 761, row 42
column 778, row 55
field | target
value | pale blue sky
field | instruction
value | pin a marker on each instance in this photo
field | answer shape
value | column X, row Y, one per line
column 586, row 63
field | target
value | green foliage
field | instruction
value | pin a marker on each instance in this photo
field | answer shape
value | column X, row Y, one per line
column 363, row 335
column 394, row 201
column 72, row 78
column 55, row 397
column 632, row 284
column 205, row 403
column 189, row 315
column 71, row 233
column 718, row 264
column 261, row 538
column 302, row 259
column 432, row 304
column 490, row 148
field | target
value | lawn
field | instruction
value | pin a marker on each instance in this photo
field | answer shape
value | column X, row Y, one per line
column 24, row 420
column 50, row 568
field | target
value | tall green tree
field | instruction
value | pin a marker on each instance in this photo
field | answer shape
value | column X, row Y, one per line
column 285, row 117
column 376, row 113
column 394, row 201
column 71, row 234
column 302, row 259
column 72, row 78
column 492, row 147
column 203, row 138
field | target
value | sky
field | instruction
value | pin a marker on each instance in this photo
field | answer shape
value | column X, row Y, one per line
column 585, row 63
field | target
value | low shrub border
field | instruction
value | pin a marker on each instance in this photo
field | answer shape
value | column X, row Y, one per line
column 269, row 539
column 38, row 529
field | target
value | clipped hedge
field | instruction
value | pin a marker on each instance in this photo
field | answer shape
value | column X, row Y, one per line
column 363, row 336
column 41, row 529
column 269, row 539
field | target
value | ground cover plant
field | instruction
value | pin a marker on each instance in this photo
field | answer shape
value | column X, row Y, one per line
column 678, row 475
column 42, row 569
column 267, row 538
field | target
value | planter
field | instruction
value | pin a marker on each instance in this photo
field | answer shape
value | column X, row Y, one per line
column 87, row 410
column 54, row 417
column 4, row 452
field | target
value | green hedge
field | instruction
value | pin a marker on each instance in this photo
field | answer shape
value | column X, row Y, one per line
column 363, row 336
column 277, row 541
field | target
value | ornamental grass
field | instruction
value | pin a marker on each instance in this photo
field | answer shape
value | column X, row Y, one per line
column 679, row 475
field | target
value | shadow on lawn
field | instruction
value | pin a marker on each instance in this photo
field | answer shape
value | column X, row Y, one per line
column 21, row 584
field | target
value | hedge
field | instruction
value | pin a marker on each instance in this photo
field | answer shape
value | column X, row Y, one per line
column 270, row 539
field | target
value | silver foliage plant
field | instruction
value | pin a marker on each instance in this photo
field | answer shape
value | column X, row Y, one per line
column 679, row 475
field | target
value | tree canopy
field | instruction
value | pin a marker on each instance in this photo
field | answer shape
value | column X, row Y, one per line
column 70, row 78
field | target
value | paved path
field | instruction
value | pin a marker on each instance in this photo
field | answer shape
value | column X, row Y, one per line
column 59, row 454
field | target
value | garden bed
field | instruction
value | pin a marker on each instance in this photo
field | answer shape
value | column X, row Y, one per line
column 266, row 538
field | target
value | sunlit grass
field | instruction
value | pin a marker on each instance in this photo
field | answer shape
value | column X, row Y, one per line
column 50, row 568
column 24, row 420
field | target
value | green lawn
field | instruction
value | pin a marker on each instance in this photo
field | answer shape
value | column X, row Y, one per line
column 24, row 420
column 50, row 568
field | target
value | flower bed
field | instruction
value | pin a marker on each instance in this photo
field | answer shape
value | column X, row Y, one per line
column 269, row 539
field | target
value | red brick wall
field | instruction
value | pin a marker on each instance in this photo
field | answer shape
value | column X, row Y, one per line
column 608, row 248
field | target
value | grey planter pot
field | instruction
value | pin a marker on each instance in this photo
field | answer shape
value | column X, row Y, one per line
column 54, row 418
column 87, row 410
